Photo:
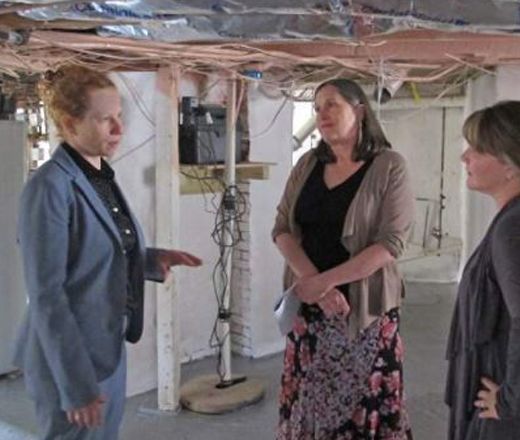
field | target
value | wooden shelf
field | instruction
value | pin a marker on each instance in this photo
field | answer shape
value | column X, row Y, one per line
column 198, row 179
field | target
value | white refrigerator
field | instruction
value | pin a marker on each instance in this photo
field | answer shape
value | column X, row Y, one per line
column 13, row 172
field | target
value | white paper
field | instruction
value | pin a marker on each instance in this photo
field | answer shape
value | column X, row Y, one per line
column 286, row 309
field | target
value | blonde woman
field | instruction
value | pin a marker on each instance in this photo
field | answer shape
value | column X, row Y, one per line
column 483, row 386
column 85, row 263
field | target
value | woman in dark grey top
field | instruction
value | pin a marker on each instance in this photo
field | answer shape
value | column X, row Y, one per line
column 483, row 385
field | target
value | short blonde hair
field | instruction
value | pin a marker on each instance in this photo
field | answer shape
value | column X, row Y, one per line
column 495, row 130
column 65, row 91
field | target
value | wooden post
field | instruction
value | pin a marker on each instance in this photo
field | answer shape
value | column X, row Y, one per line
column 167, row 197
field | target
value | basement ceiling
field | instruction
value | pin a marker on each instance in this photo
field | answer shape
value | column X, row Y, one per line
column 287, row 42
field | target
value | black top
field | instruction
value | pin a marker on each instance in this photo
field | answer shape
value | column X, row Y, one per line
column 104, row 184
column 320, row 212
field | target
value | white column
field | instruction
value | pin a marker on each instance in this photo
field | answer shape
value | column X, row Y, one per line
column 167, row 198
column 228, row 210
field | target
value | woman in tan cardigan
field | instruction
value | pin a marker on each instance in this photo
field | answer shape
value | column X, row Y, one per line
column 341, row 224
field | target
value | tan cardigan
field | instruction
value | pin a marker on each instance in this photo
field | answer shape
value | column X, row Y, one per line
column 381, row 212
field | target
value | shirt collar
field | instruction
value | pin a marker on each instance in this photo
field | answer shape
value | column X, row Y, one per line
column 106, row 171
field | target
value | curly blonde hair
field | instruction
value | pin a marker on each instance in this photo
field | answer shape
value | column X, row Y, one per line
column 65, row 91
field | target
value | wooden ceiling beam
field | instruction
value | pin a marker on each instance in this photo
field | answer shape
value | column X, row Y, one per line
column 419, row 45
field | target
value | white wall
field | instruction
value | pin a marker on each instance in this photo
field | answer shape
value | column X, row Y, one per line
column 197, row 300
column 270, row 142
column 418, row 134
column 134, row 164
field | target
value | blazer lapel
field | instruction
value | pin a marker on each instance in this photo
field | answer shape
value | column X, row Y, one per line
column 80, row 180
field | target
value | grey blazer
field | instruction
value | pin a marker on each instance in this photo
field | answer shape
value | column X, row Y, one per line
column 484, row 338
column 76, row 278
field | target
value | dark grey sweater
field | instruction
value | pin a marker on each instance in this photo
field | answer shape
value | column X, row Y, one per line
column 484, row 339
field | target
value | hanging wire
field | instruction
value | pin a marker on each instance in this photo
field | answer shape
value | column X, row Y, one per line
column 133, row 149
column 271, row 123
column 229, row 212
column 224, row 218
column 137, row 98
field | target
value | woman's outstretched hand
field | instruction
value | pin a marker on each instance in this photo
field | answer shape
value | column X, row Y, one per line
column 167, row 258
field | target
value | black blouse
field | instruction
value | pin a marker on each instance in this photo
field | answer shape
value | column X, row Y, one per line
column 320, row 213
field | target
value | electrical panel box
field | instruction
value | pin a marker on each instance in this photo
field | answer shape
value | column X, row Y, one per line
column 202, row 133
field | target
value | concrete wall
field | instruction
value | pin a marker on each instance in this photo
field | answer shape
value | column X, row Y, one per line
column 270, row 142
column 418, row 134
column 430, row 139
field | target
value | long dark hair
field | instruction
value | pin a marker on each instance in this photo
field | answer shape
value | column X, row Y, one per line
column 371, row 139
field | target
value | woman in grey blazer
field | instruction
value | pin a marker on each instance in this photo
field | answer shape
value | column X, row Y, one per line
column 483, row 385
column 84, row 263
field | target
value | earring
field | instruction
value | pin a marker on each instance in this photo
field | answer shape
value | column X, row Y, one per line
column 360, row 133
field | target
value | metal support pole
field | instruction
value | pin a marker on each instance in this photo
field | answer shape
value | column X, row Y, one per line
column 229, row 206
column 212, row 394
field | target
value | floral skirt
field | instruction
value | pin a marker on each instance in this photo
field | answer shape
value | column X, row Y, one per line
column 337, row 389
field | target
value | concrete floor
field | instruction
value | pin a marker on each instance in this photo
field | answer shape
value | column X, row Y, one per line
column 425, row 320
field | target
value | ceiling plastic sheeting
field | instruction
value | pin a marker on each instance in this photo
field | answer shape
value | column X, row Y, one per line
column 177, row 21
column 260, row 27
column 497, row 14
column 205, row 6
column 4, row 4
column 159, row 9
